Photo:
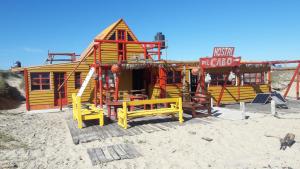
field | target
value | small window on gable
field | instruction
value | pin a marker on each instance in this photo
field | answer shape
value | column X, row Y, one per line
column 113, row 36
column 40, row 81
column 129, row 38
column 77, row 80
column 121, row 34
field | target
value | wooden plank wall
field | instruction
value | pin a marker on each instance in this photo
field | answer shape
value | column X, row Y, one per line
column 173, row 90
column 45, row 98
column 109, row 54
column 247, row 93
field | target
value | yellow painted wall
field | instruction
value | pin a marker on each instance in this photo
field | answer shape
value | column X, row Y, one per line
column 46, row 97
column 172, row 90
column 111, row 57
column 247, row 93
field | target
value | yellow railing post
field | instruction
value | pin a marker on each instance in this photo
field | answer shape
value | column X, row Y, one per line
column 79, row 117
column 101, row 119
column 125, row 115
column 180, row 110
column 74, row 109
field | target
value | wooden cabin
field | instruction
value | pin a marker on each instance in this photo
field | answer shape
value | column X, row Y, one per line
column 141, row 69
column 230, row 80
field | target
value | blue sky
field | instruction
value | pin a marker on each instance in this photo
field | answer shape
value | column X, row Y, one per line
column 259, row 29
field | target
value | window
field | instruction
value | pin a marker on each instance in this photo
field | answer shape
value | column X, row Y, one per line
column 173, row 77
column 217, row 79
column 121, row 34
column 77, row 80
column 113, row 36
column 253, row 78
column 40, row 81
column 129, row 38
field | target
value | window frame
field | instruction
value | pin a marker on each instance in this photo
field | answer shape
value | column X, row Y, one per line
column 219, row 80
column 40, row 79
column 253, row 78
column 121, row 33
column 172, row 77
column 76, row 80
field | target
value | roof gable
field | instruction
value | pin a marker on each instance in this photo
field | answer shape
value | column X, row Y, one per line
column 106, row 33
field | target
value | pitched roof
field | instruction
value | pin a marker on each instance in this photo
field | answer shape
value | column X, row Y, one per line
column 100, row 36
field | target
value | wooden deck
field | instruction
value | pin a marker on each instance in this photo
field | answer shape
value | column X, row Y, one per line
column 112, row 153
column 92, row 131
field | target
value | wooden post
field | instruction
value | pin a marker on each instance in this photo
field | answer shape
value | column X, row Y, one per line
column 95, row 80
column 100, row 78
column 269, row 80
column 158, row 51
column 292, row 80
column 162, row 82
column 183, row 83
column 26, row 89
column 238, row 83
column 145, row 52
column 116, row 87
column 100, row 87
column 222, row 90
column 60, row 106
column 297, row 86
column 107, row 79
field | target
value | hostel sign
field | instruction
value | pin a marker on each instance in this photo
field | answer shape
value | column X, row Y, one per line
column 223, row 51
column 222, row 57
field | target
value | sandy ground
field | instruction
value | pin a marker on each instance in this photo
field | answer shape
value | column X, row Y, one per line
column 42, row 140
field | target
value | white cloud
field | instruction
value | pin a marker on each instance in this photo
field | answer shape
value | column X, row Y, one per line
column 32, row 50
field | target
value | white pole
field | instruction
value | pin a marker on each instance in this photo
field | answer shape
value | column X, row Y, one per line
column 243, row 109
column 273, row 108
column 211, row 102
column 86, row 81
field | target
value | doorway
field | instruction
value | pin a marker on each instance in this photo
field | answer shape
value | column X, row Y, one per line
column 59, row 78
column 194, row 83
column 138, row 79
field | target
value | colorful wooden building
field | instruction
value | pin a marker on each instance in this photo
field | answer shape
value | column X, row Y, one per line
column 123, row 66
column 230, row 80
column 139, row 64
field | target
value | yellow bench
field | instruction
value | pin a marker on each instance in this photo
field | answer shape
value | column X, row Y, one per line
column 175, row 107
column 90, row 113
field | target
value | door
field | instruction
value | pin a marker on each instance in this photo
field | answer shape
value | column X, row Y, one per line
column 138, row 79
column 59, row 78
column 194, row 83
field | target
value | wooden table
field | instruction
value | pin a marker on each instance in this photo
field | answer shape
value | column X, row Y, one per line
column 115, row 104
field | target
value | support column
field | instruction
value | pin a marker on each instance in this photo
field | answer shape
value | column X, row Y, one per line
column 96, row 72
column 292, row 80
column 297, row 85
column 162, row 82
column 238, row 83
column 183, row 82
column 158, row 51
column 116, row 96
column 222, row 90
column 269, row 80
column 100, row 78
column 26, row 89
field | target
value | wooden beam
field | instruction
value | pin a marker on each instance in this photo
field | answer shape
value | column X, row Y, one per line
column 222, row 90
column 26, row 89
column 292, row 80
